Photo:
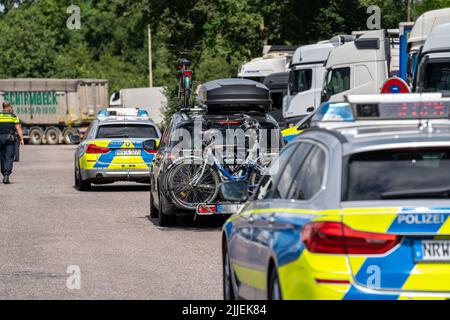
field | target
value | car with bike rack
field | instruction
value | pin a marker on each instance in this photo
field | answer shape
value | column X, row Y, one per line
column 229, row 136
column 350, row 212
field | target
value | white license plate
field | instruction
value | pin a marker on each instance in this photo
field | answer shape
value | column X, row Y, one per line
column 432, row 250
column 129, row 152
column 227, row 208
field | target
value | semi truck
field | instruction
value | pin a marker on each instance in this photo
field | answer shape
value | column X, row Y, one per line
column 419, row 34
column 433, row 62
column 51, row 110
column 306, row 78
column 153, row 100
column 359, row 67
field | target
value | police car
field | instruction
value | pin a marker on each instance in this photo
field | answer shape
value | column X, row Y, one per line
column 332, row 115
column 357, row 212
column 114, row 148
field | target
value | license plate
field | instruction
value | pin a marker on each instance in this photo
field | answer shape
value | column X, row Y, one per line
column 129, row 152
column 432, row 250
column 227, row 208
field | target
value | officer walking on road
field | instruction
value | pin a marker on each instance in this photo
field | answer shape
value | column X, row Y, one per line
column 9, row 126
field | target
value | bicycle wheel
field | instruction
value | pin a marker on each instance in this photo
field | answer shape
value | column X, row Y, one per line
column 184, row 193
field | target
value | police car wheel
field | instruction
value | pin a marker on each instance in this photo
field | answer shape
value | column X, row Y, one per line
column 229, row 280
column 80, row 184
column 166, row 216
column 274, row 286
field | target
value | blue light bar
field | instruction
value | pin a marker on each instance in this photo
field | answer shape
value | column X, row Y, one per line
column 334, row 112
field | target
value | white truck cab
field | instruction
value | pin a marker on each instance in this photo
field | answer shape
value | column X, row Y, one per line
column 306, row 78
column 275, row 59
column 433, row 69
column 419, row 33
column 358, row 67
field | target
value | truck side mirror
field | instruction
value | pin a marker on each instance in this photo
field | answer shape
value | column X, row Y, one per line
column 235, row 191
column 74, row 139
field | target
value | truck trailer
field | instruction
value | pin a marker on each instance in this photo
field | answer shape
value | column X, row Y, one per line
column 51, row 110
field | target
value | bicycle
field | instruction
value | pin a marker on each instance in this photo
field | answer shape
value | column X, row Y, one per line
column 195, row 180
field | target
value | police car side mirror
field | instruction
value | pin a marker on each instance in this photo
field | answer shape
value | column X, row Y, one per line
column 235, row 191
column 75, row 139
column 150, row 146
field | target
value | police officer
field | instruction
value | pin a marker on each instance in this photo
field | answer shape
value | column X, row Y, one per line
column 9, row 126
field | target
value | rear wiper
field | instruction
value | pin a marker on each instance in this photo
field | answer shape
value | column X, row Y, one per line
column 431, row 193
column 118, row 136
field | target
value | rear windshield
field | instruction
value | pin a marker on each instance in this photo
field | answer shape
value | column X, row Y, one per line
column 138, row 131
column 399, row 174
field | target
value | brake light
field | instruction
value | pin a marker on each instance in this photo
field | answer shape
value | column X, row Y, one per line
column 151, row 151
column 337, row 238
column 206, row 209
column 94, row 149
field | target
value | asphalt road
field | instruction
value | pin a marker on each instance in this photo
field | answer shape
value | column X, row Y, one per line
column 46, row 226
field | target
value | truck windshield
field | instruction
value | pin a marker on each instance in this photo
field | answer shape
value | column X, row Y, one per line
column 336, row 81
column 138, row 131
column 415, row 173
column 437, row 77
column 300, row 80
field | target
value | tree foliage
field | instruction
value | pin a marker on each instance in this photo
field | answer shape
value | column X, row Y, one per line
column 217, row 35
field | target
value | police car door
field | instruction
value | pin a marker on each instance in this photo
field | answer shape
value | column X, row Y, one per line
column 270, row 196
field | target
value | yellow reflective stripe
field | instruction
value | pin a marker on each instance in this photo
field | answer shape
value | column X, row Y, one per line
column 290, row 131
column 9, row 118
column 252, row 277
column 319, row 213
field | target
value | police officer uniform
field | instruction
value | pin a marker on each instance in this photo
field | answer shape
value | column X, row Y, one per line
column 8, row 123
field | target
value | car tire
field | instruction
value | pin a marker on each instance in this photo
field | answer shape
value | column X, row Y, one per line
column 274, row 286
column 80, row 184
column 229, row 279
column 166, row 216
column 154, row 212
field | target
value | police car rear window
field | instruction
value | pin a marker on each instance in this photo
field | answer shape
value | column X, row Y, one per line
column 118, row 131
column 419, row 173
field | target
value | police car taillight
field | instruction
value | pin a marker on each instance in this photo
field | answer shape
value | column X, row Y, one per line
column 337, row 238
column 94, row 149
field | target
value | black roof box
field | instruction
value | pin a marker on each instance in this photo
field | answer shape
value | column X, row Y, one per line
column 234, row 95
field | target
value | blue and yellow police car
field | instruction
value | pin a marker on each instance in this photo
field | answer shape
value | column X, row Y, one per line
column 356, row 212
column 113, row 148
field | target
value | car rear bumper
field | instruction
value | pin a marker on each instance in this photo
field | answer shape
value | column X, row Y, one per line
column 100, row 176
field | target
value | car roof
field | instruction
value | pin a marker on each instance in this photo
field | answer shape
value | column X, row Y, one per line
column 371, row 138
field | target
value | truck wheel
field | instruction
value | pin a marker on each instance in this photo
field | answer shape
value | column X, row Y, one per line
column 36, row 136
column 52, row 135
column 67, row 133
column 80, row 184
column 167, row 217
